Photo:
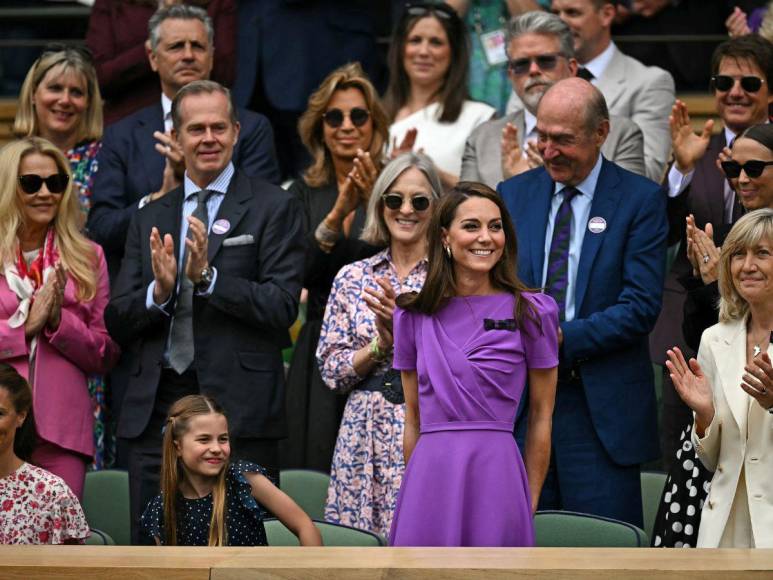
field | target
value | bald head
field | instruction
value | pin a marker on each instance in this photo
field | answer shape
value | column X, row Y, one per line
column 572, row 123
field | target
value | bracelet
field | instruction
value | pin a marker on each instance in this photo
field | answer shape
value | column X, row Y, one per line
column 375, row 352
column 326, row 236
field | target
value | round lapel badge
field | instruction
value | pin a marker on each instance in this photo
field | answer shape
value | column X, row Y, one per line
column 221, row 226
column 597, row 225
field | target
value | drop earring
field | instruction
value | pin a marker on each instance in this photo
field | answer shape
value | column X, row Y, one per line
column 448, row 252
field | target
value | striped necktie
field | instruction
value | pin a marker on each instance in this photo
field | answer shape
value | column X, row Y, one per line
column 557, row 278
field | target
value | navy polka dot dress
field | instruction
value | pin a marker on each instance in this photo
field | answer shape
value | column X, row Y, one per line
column 244, row 515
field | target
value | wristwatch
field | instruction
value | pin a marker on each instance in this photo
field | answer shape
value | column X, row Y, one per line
column 205, row 279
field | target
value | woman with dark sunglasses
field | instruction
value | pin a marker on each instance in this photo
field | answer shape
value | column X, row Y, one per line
column 345, row 130
column 53, row 292
column 427, row 99
column 355, row 345
column 747, row 167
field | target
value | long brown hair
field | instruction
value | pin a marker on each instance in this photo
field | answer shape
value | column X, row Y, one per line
column 177, row 424
column 441, row 279
column 349, row 76
column 21, row 398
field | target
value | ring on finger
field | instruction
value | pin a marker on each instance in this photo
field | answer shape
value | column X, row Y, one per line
column 705, row 258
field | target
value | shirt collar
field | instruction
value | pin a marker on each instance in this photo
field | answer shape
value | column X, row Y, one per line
column 219, row 184
column 587, row 186
column 166, row 107
column 384, row 257
column 598, row 65
column 529, row 123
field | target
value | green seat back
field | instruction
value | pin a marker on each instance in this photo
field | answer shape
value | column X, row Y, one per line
column 555, row 529
column 652, row 484
column 106, row 504
column 99, row 538
column 332, row 535
column 307, row 488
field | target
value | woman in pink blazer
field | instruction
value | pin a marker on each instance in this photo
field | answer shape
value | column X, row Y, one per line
column 53, row 292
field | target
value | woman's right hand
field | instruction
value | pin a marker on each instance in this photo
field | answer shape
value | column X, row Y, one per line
column 41, row 308
column 693, row 387
column 347, row 201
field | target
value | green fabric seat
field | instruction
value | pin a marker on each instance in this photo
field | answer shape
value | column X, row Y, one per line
column 308, row 489
column 106, row 504
column 555, row 529
column 652, row 484
column 332, row 535
column 99, row 538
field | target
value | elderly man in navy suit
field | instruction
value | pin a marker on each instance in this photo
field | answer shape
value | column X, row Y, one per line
column 206, row 293
column 594, row 236
column 139, row 161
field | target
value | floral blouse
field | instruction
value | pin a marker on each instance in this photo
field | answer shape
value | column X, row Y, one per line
column 349, row 324
column 37, row 507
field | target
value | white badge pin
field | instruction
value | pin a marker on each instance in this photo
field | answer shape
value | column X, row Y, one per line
column 221, row 226
column 597, row 225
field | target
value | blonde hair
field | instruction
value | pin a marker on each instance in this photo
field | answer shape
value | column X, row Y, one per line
column 69, row 59
column 349, row 76
column 75, row 251
column 177, row 424
column 746, row 233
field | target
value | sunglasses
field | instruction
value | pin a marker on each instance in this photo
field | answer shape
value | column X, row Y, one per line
column 335, row 117
column 752, row 168
column 521, row 66
column 724, row 83
column 395, row 201
column 80, row 49
column 31, row 183
column 424, row 8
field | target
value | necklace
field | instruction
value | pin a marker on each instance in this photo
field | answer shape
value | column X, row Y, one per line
column 757, row 349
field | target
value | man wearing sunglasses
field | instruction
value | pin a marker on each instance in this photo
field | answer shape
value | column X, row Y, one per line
column 139, row 161
column 541, row 53
column 632, row 90
column 207, row 290
column 741, row 69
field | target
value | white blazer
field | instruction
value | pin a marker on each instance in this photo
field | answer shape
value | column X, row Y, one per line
column 725, row 447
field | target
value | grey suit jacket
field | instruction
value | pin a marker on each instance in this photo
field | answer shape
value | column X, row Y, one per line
column 482, row 152
column 645, row 95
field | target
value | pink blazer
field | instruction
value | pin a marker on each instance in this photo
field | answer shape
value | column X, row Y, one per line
column 64, row 413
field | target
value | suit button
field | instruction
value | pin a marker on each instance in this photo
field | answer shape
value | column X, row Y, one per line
column 719, row 469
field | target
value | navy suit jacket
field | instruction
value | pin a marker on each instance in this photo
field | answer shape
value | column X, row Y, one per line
column 240, row 329
column 130, row 168
column 617, row 296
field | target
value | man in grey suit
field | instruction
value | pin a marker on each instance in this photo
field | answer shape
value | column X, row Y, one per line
column 541, row 53
column 641, row 93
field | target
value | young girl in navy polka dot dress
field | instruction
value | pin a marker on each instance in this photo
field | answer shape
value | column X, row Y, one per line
column 207, row 501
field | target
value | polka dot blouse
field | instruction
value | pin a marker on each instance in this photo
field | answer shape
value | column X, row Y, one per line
column 244, row 515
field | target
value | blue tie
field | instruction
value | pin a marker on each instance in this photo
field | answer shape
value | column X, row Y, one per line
column 557, row 279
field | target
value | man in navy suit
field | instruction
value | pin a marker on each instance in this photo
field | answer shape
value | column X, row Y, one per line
column 594, row 236
column 207, row 290
column 139, row 161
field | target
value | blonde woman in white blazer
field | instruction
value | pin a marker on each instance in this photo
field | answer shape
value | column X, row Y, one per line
column 730, row 388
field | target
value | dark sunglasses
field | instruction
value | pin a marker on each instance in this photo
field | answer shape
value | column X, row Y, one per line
column 79, row 49
column 423, row 8
column 724, row 83
column 753, row 168
column 335, row 117
column 31, row 183
column 395, row 201
column 521, row 66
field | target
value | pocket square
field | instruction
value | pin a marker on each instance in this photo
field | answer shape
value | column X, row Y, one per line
column 242, row 240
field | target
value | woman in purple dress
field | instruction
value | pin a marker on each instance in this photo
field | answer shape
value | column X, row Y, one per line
column 466, row 344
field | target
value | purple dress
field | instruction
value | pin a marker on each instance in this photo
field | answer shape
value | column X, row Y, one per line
column 465, row 484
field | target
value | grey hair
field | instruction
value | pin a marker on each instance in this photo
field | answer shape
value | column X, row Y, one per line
column 538, row 22
column 375, row 231
column 198, row 88
column 179, row 12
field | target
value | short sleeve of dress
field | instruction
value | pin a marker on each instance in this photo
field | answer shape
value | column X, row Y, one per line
column 541, row 342
column 246, row 514
column 152, row 521
column 404, row 340
column 68, row 520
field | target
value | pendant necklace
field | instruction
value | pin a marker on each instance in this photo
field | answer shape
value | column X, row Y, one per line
column 757, row 349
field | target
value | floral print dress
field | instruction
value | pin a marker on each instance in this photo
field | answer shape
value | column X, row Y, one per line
column 37, row 507
column 83, row 163
column 368, row 460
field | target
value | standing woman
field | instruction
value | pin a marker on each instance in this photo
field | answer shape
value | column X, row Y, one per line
column 53, row 292
column 345, row 130
column 355, row 346
column 60, row 102
column 426, row 99
column 466, row 345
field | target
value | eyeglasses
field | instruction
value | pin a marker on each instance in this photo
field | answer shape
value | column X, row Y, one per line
column 753, row 168
column 31, row 183
column 81, row 50
column 395, row 201
column 724, row 83
column 422, row 8
column 335, row 117
column 521, row 66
